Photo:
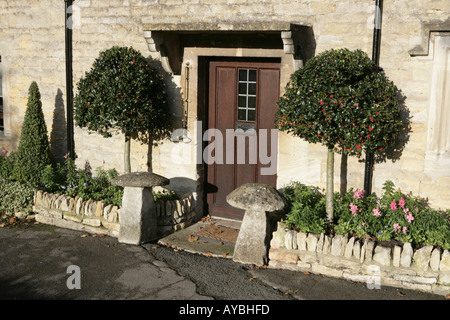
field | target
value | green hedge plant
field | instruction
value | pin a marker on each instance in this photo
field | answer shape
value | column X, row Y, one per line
column 123, row 92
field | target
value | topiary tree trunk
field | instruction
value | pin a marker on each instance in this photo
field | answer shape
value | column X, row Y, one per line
column 33, row 153
column 330, row 185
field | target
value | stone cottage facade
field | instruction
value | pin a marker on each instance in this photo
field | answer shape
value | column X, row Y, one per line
column 226, row 62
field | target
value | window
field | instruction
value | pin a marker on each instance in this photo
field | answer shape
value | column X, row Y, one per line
column 1, row 98
column 247, row 95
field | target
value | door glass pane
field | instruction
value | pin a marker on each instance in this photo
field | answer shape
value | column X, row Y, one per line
column 251, row 115
column 243, row 75
column 247, row 88
column 252, row 88
column 242, row 88
column 252, row 75
column 242, row 102
column 251, row 102
column 242, row 114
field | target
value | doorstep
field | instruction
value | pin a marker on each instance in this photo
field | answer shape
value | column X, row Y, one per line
column 183, row 239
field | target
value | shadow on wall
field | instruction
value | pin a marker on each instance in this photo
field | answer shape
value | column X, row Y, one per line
column 174, row 110
column 58, row 136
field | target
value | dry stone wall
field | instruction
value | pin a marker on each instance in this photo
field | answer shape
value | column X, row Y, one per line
column 362, row 260
column 100, row 218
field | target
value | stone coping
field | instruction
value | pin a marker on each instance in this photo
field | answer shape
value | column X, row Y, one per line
column 220, row 26
column 362, row 260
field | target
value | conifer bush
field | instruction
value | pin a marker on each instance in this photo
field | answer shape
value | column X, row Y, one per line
column 33, row 153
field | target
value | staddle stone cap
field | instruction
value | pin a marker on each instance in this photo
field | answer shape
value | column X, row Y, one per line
column 255, row 196
column 140, row 180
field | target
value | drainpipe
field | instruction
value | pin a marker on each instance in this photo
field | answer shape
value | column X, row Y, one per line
column 69, row 77
column 376, row 59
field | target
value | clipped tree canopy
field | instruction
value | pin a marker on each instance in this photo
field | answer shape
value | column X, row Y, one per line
column 122, row 91
column 341, row 99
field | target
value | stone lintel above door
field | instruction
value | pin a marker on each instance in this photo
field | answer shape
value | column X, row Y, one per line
column 169, row 39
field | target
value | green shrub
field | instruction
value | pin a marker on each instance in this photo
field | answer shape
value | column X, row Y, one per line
column 67, row 179
column 15, row 197
column 33, row 153
column 6, row 164
column 306, row 208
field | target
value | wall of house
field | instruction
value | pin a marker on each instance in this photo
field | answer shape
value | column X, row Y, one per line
column 32, row 48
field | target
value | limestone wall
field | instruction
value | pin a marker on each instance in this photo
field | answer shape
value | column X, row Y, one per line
column 100, row 218
column 362, row 260
column 32, row 49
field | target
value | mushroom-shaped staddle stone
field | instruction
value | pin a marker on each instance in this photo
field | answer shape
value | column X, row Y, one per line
column 263, row 207
column 138, row 220
column 256, row 197
column 140, row 180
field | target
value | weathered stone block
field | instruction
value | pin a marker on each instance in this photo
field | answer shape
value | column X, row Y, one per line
column 445, row 261
column 326, row 245
column 422, row 257
column 290, row 240
column 406, row 256
column 382, row 256
column 320, row 243
column 301, row 240
column 338, row 245
column 396, row 256
column 283, row 256
column 357, row 250
column 278, row 237
column 435, row 259
column 311, row 242
column 349, row 248
column 369, row 251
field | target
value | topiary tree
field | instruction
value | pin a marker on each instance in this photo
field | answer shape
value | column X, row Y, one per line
column 341, row 100
column 123, row 93
column 33, row 153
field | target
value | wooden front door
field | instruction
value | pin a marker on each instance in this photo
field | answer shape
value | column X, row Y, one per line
column 243, row 99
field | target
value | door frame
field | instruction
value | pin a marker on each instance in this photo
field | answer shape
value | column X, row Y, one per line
column 205, row 100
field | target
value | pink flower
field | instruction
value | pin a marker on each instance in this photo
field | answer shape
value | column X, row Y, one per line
column 376, row 212
column 396, row 226
column 359, row 194
column 363, row 224
column 394, row 205
column 404, row 230
column 401, row 202
column 410, row 217
column 4, row 151
column 353, row 208
column 66, row 155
